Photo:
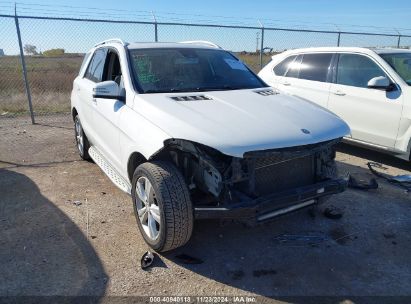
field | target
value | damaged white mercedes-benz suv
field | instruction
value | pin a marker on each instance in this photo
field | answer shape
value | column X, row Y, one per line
column 192, row 133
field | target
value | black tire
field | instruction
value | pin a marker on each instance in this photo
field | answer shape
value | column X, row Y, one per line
column 82, row 149
column 173, row 201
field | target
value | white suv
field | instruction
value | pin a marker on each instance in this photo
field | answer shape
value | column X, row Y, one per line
column 190, row 132
column 368, row 88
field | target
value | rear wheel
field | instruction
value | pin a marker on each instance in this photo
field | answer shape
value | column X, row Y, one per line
column 81, row 139
column 162, row 205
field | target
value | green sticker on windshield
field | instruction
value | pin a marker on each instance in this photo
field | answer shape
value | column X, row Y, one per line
column 143, row 67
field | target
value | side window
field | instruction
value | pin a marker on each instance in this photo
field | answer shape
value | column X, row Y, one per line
column 315, row 67
column 282, row 67
column 356, row 70
column 294, row 68
column 86, row 57
column 95, row 69
column 113, row 69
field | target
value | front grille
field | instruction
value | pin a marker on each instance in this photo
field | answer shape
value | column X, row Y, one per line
column 273, row 174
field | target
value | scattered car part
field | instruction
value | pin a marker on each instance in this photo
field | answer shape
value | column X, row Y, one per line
column 400, row 181
column 301, row 239
column 333, row 213
column 147, row 260
column 360, row 184
column 402, row 178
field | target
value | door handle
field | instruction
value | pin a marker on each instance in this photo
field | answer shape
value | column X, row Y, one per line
column 286, row 83
column 339, row 93
column 95, row 101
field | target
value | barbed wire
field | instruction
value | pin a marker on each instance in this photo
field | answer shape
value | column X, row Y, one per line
column 26, row 8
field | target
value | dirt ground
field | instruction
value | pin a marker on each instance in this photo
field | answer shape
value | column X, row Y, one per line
column 65, row 229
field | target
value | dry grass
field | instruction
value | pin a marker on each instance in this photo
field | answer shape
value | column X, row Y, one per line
column 51, row 81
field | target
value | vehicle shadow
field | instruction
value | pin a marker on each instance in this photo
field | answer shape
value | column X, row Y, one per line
column 374, row 156
column 347, row 257
column 42, row 252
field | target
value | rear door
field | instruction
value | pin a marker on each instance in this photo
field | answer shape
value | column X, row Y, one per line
column 372, row 114
column 84, row 89
column 309, row 77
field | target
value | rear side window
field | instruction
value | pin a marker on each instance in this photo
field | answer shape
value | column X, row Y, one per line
column 282, row 67
column 315, row 67
column 293, row 69
column 83, row 64
column 96, row 67
column 356, row 70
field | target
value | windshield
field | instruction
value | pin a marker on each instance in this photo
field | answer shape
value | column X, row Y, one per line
column 401, row 63
column 188, row 70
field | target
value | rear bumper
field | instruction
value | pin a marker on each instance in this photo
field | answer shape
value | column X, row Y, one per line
column 267, row 207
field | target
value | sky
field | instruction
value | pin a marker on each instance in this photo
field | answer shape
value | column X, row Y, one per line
column 347, row 15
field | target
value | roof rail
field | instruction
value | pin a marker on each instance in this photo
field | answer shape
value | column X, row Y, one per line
column 118, row 40
column 202, row 42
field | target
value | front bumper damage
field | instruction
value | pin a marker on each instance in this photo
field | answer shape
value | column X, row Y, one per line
column 273, row 205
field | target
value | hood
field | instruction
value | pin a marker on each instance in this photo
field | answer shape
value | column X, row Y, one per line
column 239, row 121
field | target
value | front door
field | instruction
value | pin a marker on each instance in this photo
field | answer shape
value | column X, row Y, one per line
column 108, row 112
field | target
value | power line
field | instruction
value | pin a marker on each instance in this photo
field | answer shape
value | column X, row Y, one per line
column 61, row 10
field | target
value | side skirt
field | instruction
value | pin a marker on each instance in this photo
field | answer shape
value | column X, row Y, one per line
column 112, row 173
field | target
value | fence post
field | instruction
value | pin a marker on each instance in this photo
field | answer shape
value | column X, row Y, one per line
column 339, row 39
column 399, row 41
column 155, row 27
column 23, row 64
column 261, row 45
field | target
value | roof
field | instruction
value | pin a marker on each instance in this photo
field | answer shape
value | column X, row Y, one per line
column 145, row 45
column 347, row 49
column 157, row 45
column 391, row 50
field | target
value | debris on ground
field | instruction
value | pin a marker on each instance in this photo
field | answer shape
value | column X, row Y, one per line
column 340, row 236
column 187, row 259
column 361, row 184
column 301, row 239
column 147, row 259
column 402, row 178
column 403, row 181
column 77, row 203
column 333, row 213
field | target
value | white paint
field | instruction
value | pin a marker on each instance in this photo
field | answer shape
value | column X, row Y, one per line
column 376, row 118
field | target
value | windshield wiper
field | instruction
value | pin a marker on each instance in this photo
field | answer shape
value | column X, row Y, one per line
column 197, row 89
column 174, row 90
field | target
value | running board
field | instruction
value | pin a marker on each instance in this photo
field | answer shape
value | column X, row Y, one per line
column 112, row 173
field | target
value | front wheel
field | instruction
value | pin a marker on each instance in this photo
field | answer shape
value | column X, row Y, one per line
column 162, row 205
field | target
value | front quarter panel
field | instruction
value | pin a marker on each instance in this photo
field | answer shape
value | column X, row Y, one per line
column 138, row 135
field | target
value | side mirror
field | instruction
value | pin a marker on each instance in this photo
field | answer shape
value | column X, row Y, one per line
column 380, row 82
column 107, row 90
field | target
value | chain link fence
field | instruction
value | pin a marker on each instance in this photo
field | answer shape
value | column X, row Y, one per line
column 53, row 49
